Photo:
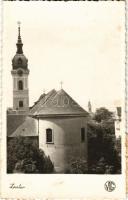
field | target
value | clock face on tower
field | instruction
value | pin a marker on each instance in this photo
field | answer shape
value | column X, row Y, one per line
column 20, row 72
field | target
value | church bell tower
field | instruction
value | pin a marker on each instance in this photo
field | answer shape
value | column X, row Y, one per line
column 20, row 74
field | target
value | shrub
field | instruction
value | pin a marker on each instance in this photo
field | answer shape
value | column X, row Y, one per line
column 23, row 156
column 77, row 166
column 102, row 144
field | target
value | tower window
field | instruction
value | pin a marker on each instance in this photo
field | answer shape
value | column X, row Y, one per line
column 20, row 104
column 49, row 135
column 19, row 61
column 20, row 85
column 82, row 134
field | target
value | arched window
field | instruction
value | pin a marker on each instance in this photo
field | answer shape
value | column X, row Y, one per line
column 83, row 134
column 19, row 61
column 20, row 104
column 20, row 85
column 49, row 135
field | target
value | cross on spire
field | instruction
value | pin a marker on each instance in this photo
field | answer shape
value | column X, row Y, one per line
column 61, row 85
column 44, row 91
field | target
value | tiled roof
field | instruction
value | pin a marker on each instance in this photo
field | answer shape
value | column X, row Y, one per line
column 51, row 104
column 42, row 99
column 27, row 128
column 56, row 104
column 13, row 122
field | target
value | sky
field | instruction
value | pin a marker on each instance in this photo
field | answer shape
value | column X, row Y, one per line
column 79, row 43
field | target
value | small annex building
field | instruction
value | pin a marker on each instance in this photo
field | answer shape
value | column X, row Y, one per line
column 118, row 122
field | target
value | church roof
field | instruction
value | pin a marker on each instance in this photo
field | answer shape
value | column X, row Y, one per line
column 27, row 128
column 42, row 99
column 57, row 103
column 13, row 122
column 19, row 60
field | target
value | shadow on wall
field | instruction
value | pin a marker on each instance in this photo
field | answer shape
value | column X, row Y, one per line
column 24, row 156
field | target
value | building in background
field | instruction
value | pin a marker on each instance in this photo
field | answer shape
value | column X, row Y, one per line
column 118, row 121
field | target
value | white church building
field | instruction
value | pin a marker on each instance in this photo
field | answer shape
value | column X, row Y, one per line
column 56, row 120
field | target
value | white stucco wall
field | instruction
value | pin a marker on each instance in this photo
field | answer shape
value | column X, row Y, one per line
column 117, row 128
column 67, row 140
column 20, row 95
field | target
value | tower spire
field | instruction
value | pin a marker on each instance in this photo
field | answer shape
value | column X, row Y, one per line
column 89, row 107
column 19, row 41
column 20, row 74
column 19, row 23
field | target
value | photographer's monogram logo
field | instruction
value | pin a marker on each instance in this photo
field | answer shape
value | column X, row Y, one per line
column 110, row 186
